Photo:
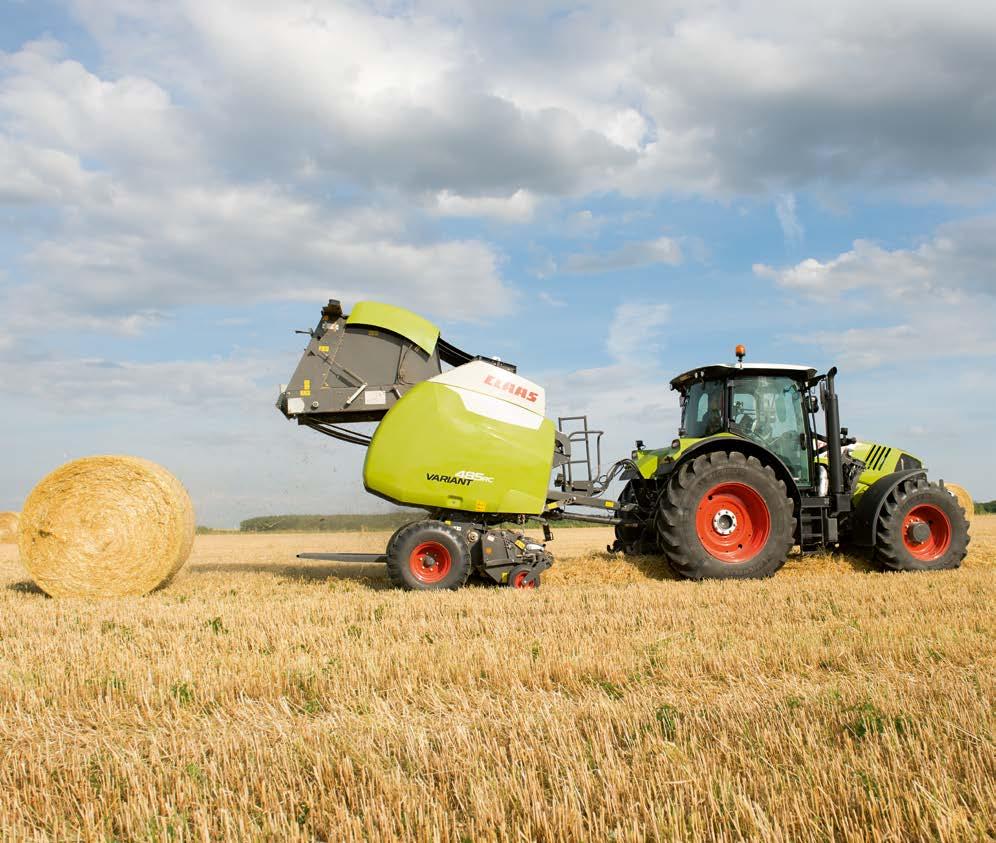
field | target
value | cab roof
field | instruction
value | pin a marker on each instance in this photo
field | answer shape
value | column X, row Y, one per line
column 725, row 370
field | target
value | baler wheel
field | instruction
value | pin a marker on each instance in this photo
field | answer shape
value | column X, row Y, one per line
column 725, row 515
column 428, row 555
column 922, row 527
column 523, row 577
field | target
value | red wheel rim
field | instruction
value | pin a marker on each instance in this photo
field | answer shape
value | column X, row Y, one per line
column 939, row 540
column 519, row 580
column 430, row 562
column 733, row 522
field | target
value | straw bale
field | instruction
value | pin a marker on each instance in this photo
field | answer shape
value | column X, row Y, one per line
column 964, row 498
column 106, row 526
column 8, row 527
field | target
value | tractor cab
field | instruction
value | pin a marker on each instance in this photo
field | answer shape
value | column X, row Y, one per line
column 766, row 404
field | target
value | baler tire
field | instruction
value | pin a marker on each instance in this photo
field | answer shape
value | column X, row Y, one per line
column 917, row 500
column 759, row 538
column 522, row 576
column 394, row 538
column 416, row 551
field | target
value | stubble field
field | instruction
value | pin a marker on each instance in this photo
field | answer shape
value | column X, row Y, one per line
column 260, row 697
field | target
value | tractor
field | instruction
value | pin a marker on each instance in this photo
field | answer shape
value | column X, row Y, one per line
column 750, row 475
column 465, row 438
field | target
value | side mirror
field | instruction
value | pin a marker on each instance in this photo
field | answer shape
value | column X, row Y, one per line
column 812, row 404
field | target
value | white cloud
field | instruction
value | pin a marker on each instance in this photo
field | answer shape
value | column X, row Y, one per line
column 130, row 123
column 36, row 175
column 98, row 386
column 663, row 250
column 934, row 300
column 156, row 227
column 553, row 301
column 958, row 258
column 634, row 331
column 470, row 99
column 519, row 207
column 788, row 219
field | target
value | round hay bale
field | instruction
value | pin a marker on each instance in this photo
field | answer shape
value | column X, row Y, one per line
column 964, row 498
column 106, row 527
column 8, row 527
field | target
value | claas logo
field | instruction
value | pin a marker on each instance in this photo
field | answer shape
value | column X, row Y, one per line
column 512, row 388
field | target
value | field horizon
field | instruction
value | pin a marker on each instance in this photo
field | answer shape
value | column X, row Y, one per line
column 259, row 696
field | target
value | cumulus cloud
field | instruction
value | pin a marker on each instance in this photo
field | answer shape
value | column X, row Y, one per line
column 156, row 227
column 909, row 303
column 519, row 207
column 470, row 99
column 662, row 250
column 958, row 258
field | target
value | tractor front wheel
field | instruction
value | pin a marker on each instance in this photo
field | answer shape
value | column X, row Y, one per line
column 724, row 515
column 922, row 527
column 428, row 556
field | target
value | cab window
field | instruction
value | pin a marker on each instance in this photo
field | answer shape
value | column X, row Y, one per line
column 769, row 411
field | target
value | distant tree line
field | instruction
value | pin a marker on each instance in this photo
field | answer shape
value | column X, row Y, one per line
column 985, row 508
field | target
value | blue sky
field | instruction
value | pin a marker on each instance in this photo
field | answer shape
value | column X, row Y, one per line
column 605, row 194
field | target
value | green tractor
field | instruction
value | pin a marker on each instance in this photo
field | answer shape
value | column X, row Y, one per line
column 466, row 439
column 751, row 474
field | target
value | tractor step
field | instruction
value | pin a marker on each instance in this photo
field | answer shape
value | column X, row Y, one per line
column 345, row 557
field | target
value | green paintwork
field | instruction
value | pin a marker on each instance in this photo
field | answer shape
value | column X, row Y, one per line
column 649, row 461
column 880, row 461
column 430, row 432
column 403, row 322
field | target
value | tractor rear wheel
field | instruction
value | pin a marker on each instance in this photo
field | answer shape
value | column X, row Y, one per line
column 428, row 556
column 922, row 527
column 724, row 515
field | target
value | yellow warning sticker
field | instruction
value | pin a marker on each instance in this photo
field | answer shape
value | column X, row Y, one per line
column 324, row 349
column 609, row 504
column 305, row 393
column 480, row 506
column 307, row 384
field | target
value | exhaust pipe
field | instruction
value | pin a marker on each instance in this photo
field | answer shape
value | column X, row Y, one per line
column 832, row 414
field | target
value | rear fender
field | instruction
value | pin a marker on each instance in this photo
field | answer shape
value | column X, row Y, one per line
column 747, row 448
column 865, row 517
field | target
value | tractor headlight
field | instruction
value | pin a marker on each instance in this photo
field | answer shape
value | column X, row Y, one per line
column 822, row 481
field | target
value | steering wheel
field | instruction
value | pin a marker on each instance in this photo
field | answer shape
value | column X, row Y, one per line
column 785, row 442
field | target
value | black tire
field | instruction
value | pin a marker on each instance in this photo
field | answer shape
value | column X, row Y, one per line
column 689, row 490
column 634, row 538
column 522, row 576
column 428, row 556
column 915, row 500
